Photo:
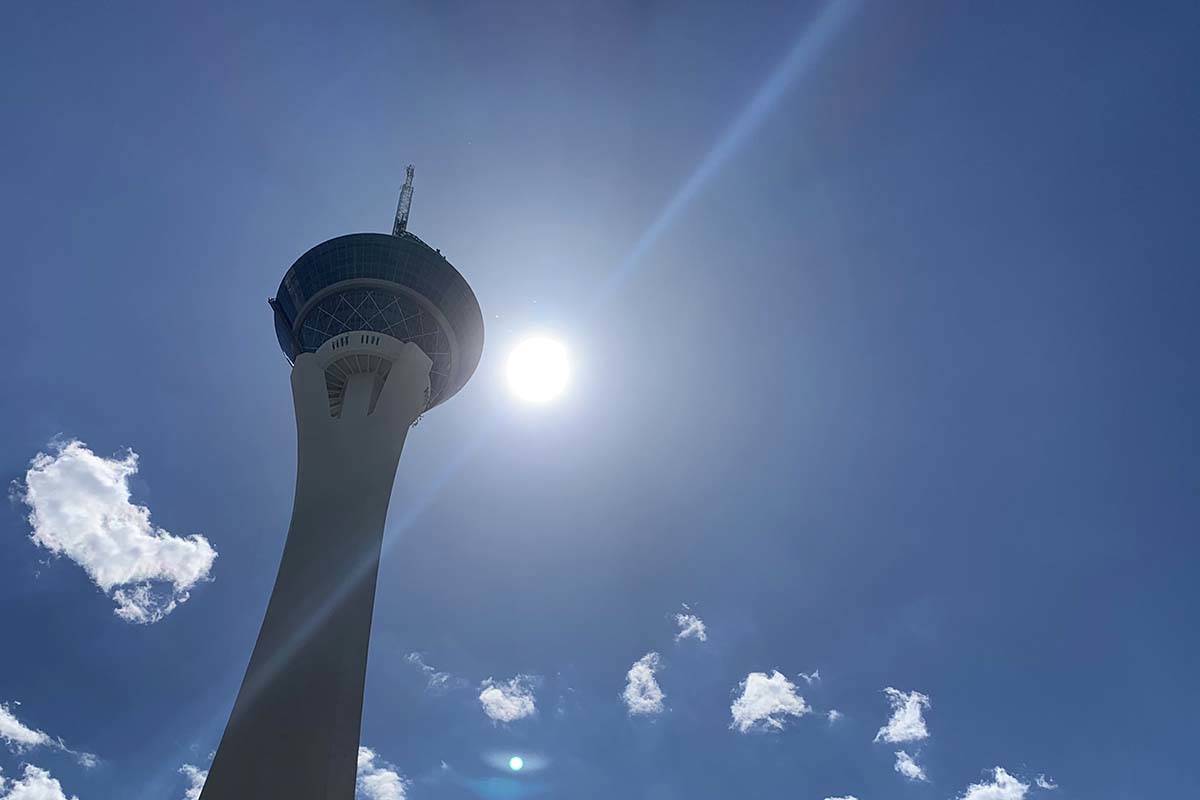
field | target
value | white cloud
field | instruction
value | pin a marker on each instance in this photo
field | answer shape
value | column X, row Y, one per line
column 909, row 768
column 80, row 507
column 847, row 797
column 196, row 778
column 378, row 780
column 1044, row 782
column 435, row 680
column 1002, row 787
column 35, row 784
column 690, row 626
column 907, row 723
column 811, row 677
column 19, row 736
column 507, row 701
column 642, row 694
column 765, row 702
column 833, row 715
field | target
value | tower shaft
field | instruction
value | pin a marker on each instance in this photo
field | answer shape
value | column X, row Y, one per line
column 294, row 729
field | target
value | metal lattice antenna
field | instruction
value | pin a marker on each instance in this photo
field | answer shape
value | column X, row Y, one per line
column 401, row 223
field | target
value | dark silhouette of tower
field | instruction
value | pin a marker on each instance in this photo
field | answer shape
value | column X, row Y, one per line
column 379, row 329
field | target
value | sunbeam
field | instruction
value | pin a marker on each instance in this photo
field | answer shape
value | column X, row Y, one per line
column 812, row 44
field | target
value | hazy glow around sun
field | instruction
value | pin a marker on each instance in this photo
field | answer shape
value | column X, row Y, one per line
column 538, row 369
column 515, row 763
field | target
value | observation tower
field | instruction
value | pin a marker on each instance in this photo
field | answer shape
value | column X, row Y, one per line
column 378, row 329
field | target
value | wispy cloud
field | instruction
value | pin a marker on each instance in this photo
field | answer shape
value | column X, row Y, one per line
column 1044, row 782
column 34, row 784
column 508, row 701
column 766, row 702
column 690, row 626
column 643, row 696
column 1003, row 786
column 907, row 724
column 80, row 507
column 196, row 778
column 908, row 767
column 435, row 680
column 833, row 715
column 846, row 797
column 377, row 779
column 20, row 737
column 811, row 677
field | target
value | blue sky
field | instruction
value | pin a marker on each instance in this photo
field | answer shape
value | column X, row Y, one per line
column 883, row 335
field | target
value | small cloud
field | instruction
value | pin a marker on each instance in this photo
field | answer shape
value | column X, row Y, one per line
column 765, row 702
column 35, row 784
column 690, row 626
column 642, row 695
column 435, row 681
column 833, row 715
column 1044, row 782
column 811, row 677
column 846, row 797
column 909, row 768
column 19, row 736
column 1003, row 786
column 508, row 701
column 80, row 507
column 377, row 779
column 196, row 778
column 907, row 723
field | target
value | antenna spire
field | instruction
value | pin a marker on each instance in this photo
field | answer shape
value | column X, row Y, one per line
column 401, row 223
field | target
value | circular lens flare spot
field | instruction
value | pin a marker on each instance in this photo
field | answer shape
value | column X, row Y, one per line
column 516, row 763
column 538, row 369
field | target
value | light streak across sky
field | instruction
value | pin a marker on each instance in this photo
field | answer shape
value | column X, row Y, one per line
column 816, row 38
column 804, row 54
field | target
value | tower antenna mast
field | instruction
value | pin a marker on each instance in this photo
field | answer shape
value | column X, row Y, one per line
column 401, row 223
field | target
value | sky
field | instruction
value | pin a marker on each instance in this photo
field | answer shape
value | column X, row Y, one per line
column 882, row 331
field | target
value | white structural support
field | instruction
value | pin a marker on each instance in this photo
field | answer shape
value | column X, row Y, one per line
column 295, row 725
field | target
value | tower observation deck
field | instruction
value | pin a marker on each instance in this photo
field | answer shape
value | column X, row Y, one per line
column 378, row 329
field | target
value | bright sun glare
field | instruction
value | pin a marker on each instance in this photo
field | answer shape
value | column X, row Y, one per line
column 537, row 369
column 515, row 763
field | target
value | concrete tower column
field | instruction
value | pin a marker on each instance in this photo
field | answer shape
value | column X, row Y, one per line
column 294, row 730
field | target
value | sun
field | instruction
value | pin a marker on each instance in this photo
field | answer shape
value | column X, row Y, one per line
column 538, row 369
column 515, row 763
